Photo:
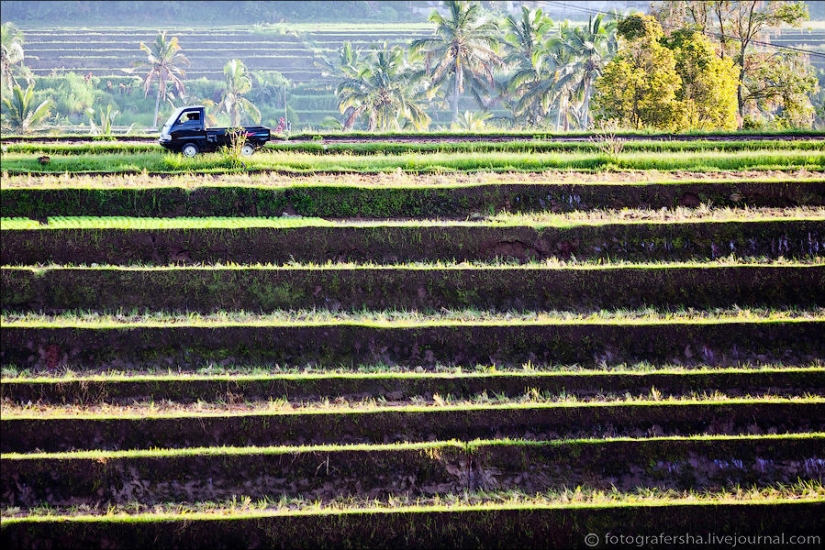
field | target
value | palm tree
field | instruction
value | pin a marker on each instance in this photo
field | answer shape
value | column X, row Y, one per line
column 524, row 41
column 163, row 58
column 386, row 89
column 463, row 50
column 590, row 48
column 344, row 66
column 11, row 54
column 21, row 115
column 238, row 82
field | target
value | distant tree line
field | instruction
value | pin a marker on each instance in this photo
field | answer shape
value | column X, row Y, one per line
column 219, row 12
column 687, row 65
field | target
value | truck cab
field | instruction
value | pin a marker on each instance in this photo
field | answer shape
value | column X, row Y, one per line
column 185, row 132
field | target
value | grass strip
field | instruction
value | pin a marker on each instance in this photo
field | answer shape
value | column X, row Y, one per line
column 298, row 163
column 335, row 473
column 541, row 218
column 531, row 395
column 308, row 390
column 341, row 408
column 41, row 344
column 403, row 147
column 431, row 448
column 410, row 424
column 393, row 179
column 12, row 372
column 721, row 263
column 399, row 319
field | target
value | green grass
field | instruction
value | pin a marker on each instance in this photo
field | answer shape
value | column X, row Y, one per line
column 399, row 148
column 124, row 222
column 181, row 412
column 540, row 146
column 167, row 408
column 587, row 217
column 11, row 372
column 299, row 163
column 429, row 446
column 573, row 497
column 553, row 264
column 396, row 179
column 263, row 374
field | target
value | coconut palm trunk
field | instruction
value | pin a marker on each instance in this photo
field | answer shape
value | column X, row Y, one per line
column 454, row 100
column 161, row 91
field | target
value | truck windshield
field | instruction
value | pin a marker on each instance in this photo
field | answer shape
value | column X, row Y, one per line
column 171, row 120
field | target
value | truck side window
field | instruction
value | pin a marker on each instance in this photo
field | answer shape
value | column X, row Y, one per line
column 189, row 118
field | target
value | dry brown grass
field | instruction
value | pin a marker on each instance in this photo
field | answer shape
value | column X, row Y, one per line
column 395, row 178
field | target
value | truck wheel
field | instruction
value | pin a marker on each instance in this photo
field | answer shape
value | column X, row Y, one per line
column 247, row 149
column 189, row 150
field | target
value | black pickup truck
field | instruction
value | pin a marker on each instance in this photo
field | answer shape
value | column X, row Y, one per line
column 186, row 132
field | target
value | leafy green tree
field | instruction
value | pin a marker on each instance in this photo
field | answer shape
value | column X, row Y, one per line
column 237, row 83
column 638, row 87
column 708, row 91
column 11, row 57
column 386, row 90
column 21, row 114
column 164, row 58
column 736, row 24
column 462, row 53
column 780, row 86
column 746, row 20
column 74, row 97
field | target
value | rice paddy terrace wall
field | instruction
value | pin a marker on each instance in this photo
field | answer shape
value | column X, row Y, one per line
column 561, row 359
column 108, row 51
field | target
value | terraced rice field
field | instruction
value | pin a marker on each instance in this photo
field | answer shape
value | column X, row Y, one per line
column 390, row 359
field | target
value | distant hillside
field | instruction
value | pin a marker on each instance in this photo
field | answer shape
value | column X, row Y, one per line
column 178, row 13
column 87, row 13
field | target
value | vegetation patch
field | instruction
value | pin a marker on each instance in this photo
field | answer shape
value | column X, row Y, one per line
column 285, row 390
column 298, row 163
column 455, row 523
column 413, row 424
column 426, row 289
column 328, row 474
column 397, row 201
